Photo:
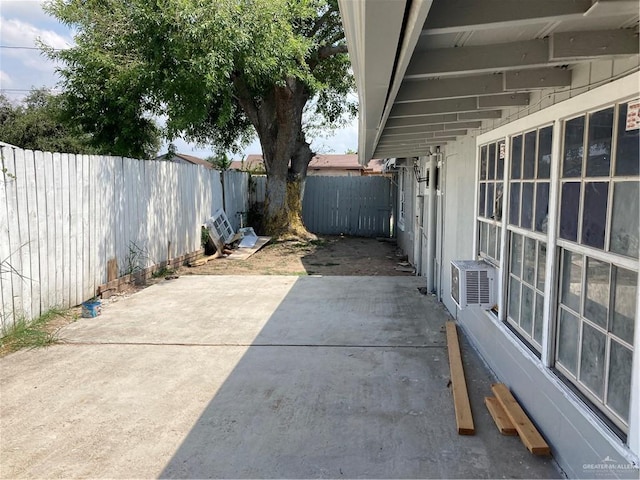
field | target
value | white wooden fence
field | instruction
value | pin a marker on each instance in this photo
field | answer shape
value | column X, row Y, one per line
column 63, row 217
column 235, row 185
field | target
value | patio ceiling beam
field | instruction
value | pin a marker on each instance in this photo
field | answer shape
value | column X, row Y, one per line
column 573, row 46
column 466, row 104
column 455, row 16
column 558, row 49
column 436, row 127
column 442, row 118
column 488, row 84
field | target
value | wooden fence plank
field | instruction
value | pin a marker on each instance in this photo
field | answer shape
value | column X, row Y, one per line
column 71, row 286
column 23, row 232
column 58, row 240
column 66, row 230
column 6, row 232
column 6, row 313
column 464, row 417
column 87, row 277
column 34, row 243
column 500, row 416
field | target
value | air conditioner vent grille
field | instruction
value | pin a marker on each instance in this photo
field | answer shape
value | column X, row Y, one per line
column 472, row 283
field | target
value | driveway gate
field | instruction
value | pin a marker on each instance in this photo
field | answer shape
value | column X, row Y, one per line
column 358, row 206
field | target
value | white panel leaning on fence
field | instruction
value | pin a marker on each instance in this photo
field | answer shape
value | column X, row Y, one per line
column 64, row 216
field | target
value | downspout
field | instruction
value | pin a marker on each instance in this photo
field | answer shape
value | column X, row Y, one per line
column 431, row 223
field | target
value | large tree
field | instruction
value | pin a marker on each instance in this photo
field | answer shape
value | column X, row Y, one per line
column 219, row 71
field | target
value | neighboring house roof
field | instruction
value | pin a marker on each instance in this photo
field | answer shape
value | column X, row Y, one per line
column 252, row 162
column 345, row 162
column 186, row 158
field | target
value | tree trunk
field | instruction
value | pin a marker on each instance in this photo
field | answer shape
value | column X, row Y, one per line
column 277, row 117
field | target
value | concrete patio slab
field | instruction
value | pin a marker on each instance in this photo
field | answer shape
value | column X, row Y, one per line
column 253, row 377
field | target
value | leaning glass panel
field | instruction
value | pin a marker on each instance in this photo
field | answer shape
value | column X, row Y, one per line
column 497, row 207
column 571, row 280
column 526, row 311
column 594, row 215
column 592, row 359
column 516, row 254
column 573, row 147
column 516, row 157
column 619, row 384
column 628, row 149
column 568, row 332
column 482, row 199
column 529, row 264
column 596, row 301
column 545, row 137
column 569, row 209
column 625, row 222
column 599, row 141
column 625, row 291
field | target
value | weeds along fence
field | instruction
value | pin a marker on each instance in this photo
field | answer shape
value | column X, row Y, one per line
column 64, row 218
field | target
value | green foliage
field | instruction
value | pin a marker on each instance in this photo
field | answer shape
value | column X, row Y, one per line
column 218, row 70
column 220, row 161
column 40, row 123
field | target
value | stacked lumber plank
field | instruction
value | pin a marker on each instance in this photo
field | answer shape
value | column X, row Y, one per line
column 511, row 419
column 464, row 418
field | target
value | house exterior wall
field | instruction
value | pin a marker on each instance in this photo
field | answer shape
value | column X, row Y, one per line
column 583, row 444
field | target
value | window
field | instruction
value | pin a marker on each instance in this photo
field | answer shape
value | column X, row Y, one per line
column 528, row 218
column 529, row 179
column 598, row 247
column 525, row 304
column 600, row 191
column 596, row 322
column 490, row 201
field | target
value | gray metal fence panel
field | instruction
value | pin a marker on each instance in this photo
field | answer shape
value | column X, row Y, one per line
column 358, row 206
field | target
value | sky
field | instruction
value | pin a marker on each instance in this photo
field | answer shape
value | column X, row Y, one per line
column 23, row 22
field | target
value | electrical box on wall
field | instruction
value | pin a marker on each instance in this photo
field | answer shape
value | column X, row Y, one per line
column 472, row 283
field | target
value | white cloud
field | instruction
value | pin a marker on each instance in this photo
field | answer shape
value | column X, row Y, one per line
column 5, row 80
column 15, row 32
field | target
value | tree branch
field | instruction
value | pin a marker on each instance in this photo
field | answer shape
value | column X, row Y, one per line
column 245, row 99
column 331, row 50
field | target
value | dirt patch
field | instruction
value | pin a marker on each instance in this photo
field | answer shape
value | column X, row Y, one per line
column 329, row 255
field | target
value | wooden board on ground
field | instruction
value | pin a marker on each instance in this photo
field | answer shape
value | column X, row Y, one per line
column 204, row 260
column 500, row 416
column 464, row 418
column 244, row 253
column 521, row 422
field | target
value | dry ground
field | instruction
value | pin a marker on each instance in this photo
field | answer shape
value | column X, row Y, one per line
column 329, row 255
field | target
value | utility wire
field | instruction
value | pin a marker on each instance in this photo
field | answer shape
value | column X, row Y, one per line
column 17, row 47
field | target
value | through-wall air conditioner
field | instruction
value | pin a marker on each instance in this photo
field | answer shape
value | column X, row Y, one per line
column 472, row 283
